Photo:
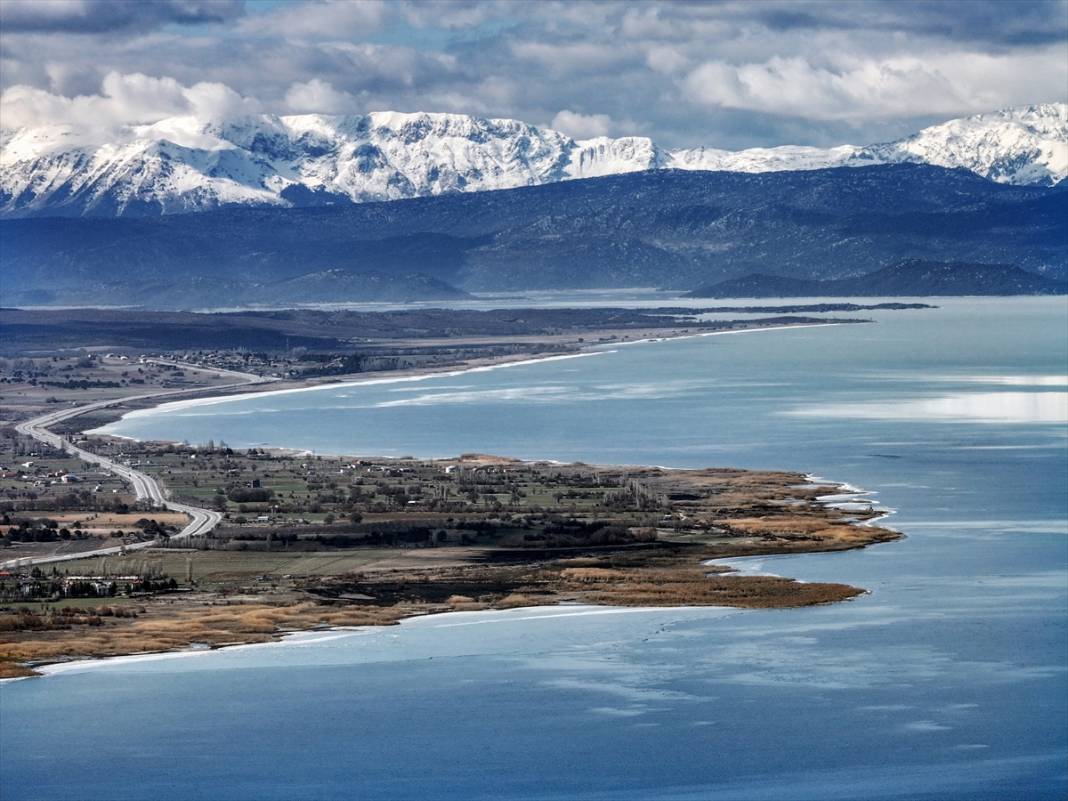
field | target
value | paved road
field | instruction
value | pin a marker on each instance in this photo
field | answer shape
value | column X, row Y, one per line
column 146, row 488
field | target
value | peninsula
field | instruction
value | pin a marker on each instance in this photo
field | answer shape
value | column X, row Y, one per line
column 112, row 547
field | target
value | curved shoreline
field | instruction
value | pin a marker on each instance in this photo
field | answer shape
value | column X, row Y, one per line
column 312, row 636
column 172, row 406
column 417, row 376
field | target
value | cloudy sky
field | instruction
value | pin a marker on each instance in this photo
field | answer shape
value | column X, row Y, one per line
column 726, row 74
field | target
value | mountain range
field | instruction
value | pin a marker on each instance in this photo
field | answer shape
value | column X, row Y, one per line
column 672, row 229
column 187, row 164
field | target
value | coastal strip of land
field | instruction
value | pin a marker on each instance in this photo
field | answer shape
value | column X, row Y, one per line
column 401, row 538
column 476, row 532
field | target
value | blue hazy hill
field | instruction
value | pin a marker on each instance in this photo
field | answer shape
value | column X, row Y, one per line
column 670, row 229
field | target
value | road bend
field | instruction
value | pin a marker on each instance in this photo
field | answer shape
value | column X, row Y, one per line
column 145, row 487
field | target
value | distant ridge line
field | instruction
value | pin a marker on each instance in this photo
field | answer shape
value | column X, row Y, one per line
column 190, row 164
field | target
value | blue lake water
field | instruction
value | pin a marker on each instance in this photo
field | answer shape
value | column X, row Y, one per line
column 949, row 680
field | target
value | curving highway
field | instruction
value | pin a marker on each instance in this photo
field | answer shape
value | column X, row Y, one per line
column 201, row 521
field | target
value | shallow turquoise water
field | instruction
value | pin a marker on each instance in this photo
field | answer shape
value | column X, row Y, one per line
column 950, row 680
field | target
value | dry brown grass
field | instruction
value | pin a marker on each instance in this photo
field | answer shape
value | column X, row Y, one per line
column 517, row 600
column 108, row 519
column 694, row 587
column 465, row 603
column 586, row 575
column 165, row 630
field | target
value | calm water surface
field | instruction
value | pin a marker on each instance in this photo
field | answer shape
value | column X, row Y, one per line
column 949, row 680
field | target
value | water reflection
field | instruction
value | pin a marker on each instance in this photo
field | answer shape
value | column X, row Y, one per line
column 971, row 407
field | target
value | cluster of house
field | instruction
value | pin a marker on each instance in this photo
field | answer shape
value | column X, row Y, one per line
column 25, row 472
column 70, row 586
column 262, row 363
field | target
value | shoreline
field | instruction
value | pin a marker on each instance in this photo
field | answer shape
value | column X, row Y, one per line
column 415, row 375
column 309, row 636
column 402, row 377
column 667, row 337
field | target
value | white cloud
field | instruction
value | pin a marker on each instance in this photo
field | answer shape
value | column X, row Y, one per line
column 666, row 59
column 645, row 21
column 450, row 15
column 19, row 13
column 217, row 100
column 493, row 97
column 333, row 20
column 561, row 58
column 858, row 89
column 316, row 96
column 728, row 74
column 123, row 100
column 793, row 86
column 581, row 126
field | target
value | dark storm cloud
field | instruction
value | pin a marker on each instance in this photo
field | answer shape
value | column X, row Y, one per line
column 1009, row 22
column 99, row 16
column 726, row 74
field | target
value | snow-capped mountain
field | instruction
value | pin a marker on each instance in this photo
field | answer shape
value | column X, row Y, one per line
column 1026, row 145
column 190, row 164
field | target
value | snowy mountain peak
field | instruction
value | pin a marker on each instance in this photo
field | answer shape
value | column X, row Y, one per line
column 591, row 158
column 190, row 164
column 1024, row 145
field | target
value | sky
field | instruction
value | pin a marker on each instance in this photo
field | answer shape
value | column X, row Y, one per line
column 722, row 74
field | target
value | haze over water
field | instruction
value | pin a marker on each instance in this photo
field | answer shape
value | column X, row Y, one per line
column 947, row 681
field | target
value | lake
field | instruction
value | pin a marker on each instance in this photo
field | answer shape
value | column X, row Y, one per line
column 948, row 680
